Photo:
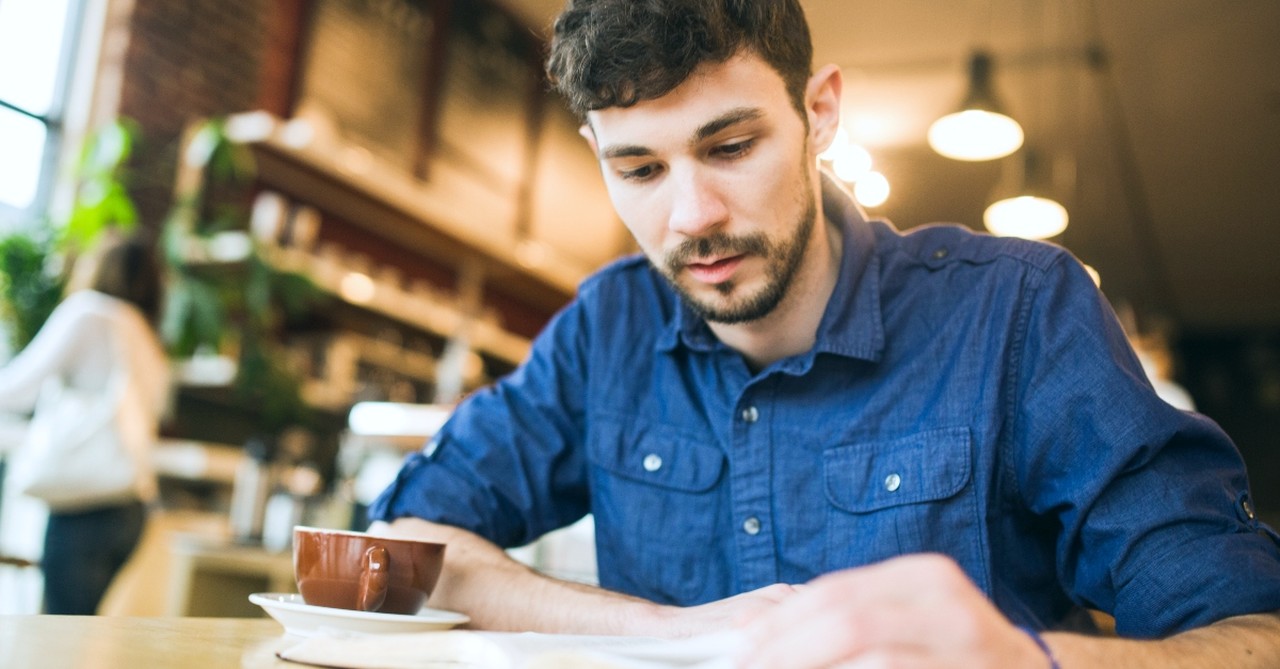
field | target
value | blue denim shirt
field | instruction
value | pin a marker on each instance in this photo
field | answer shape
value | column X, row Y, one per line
column 966, row 395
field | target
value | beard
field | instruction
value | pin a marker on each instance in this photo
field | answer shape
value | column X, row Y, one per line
column 781, row 257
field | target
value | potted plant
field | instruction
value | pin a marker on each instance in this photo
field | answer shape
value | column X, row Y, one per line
column 221, row 294
column 33, row 257
column 30, row 283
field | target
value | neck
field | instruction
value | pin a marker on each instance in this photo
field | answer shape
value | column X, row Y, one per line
column 792, row 327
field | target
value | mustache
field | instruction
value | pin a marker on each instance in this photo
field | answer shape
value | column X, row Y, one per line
column 718, row 244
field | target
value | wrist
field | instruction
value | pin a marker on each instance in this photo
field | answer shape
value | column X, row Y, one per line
column 1042, row 645
column 651, row 619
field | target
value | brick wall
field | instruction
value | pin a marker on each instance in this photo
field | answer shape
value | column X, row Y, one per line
column 186, row 60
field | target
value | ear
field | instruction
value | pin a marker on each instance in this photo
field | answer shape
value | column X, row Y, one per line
column 590, row 135
column 822, row 104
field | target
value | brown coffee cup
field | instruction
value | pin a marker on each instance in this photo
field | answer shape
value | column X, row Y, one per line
column 363, row 572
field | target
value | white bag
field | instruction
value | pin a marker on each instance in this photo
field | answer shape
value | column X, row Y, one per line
column 73, row 457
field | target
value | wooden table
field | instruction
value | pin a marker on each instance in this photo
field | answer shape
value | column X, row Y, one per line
column 214, row 577
column 100, row 642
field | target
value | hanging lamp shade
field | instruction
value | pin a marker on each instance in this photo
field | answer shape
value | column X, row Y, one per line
column 979, row 130
column 1026, row 216
column 1028, row 211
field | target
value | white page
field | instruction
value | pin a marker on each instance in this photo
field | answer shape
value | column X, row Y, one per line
column 498, row 650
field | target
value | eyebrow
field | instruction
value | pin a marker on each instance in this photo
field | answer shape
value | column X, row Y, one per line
column 727, row 120
column 708, row 129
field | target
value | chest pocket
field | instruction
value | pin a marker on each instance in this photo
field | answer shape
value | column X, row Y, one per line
column 656, row 499
column 905, row 495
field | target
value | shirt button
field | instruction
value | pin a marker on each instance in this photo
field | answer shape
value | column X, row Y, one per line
column 750, row 415
column 940, row 254
column 892, row 482
column 751, row 526
column 652, row 462
column 1248, row 509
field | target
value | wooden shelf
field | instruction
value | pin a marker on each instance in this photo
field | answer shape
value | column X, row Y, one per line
column 410, row 267
column 429, row 218
column 421, row 312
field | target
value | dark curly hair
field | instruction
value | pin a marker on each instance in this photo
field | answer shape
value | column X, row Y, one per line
column 615, row 53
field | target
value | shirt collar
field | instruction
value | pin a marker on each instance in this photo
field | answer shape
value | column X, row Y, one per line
column 851, row 325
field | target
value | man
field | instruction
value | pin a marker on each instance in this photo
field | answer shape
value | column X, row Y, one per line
column 944, row 434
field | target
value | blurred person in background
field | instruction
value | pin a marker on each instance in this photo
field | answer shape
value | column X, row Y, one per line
column 99, row 343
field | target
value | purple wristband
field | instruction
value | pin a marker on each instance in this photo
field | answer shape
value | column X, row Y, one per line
column 1048, row 652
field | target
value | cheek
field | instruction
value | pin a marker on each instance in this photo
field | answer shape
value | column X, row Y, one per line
column 648, row 236
column 784, row 191
column 643, row 216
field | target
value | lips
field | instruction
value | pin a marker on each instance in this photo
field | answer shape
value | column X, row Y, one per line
column 715, row 272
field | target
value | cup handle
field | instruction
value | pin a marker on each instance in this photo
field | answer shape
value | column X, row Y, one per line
column 374, row 576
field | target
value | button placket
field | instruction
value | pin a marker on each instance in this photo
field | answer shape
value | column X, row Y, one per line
column 750, row 486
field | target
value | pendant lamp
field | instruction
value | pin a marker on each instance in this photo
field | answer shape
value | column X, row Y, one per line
column 1028, row 210
column 979, row 130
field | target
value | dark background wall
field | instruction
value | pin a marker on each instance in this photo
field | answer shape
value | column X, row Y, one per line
column 1235, row 380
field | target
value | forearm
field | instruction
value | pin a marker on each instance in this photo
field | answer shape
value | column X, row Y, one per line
column 62, row 338
column 498, row 593
column 1242, row 642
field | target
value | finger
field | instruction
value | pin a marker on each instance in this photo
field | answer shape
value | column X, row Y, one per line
column 766, row 599
column 809, row 644
column 869, row 588
column 881, row 607
column 824, row 656
column 831, row 634
column 905, row 658
column 776, row 592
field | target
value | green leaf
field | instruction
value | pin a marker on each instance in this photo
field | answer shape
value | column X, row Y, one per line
column 108, row 148
column 102, row 201
column 29, row 290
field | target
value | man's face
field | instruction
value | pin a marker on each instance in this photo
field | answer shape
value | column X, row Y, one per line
column 713, row 180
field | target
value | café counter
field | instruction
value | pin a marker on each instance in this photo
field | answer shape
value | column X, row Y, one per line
column 104, row 642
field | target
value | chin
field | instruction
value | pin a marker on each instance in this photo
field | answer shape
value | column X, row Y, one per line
column 743, row 307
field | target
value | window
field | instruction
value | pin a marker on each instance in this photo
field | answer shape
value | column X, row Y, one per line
column 37, row 38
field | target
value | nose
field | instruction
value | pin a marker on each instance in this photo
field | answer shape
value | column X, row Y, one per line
column 697, row 204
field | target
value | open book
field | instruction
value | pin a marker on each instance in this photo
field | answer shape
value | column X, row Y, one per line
column 456, row 649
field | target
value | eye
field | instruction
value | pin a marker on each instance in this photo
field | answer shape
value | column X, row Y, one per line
column 734, row 150
column 641, row 173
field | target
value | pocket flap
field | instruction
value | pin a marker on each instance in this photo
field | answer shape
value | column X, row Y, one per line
column 656, row 455
column 923, row 467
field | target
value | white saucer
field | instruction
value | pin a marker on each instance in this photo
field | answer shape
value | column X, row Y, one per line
column 302, row 619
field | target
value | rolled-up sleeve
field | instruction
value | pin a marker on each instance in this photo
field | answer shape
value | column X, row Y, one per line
column 508, row 464
column 1152, row 502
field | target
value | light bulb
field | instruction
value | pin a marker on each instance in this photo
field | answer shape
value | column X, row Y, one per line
column 851, row 163
column 871, row 190
column 1026, row 216
column 1093, row 274
column 974, row 134
column 357, row 288
column 837, row 144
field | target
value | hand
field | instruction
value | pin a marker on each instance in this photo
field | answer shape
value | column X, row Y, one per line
column 914, row 611
column 720, row 615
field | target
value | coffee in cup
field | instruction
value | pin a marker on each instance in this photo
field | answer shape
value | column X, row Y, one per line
column 363, row 572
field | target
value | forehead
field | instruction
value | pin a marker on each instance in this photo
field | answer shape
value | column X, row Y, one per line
column 743, row 82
